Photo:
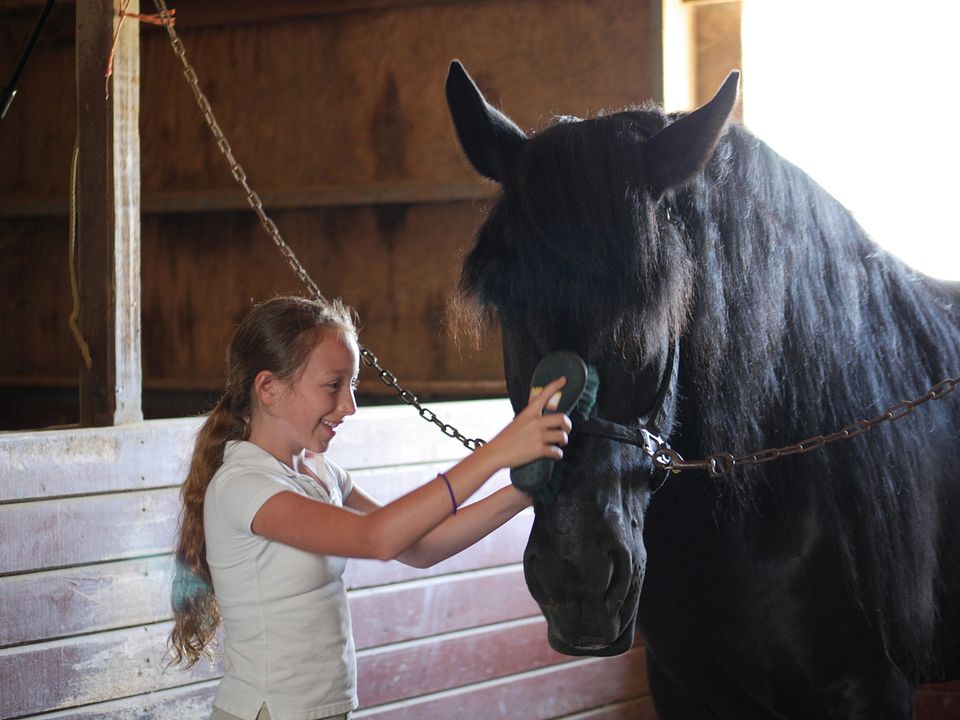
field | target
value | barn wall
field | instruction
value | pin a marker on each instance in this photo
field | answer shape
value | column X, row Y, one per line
column 340, row 121
column 87, row 519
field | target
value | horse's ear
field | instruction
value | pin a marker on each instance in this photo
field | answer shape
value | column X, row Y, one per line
column 682, row 149
column 489, row 138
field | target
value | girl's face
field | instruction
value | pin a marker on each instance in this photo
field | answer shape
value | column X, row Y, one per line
column 306, row 411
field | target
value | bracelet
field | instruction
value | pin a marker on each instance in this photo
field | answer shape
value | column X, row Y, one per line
column 453, row 499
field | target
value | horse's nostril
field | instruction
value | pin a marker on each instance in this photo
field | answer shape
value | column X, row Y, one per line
column 530, row 575
column 619, row 575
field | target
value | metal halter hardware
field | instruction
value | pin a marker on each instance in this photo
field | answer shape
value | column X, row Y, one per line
column 647, row 437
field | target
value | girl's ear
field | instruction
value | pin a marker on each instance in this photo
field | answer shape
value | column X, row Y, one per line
column 266, row 387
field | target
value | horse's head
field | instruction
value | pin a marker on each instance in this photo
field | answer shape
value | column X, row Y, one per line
column 585, row 250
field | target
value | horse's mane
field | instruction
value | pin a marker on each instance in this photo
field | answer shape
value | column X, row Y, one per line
column 800, row 325
column 793, row 323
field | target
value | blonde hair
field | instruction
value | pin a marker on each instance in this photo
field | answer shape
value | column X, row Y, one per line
column 277, row 335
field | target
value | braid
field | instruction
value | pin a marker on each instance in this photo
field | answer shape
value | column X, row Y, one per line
column 195, row 610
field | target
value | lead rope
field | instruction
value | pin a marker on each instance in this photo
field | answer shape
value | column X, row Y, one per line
column 253, row 199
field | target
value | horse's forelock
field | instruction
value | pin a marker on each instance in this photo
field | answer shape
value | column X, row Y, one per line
column 575, row 200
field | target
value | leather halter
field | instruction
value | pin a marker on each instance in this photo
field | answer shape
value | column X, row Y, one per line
column 647, row 434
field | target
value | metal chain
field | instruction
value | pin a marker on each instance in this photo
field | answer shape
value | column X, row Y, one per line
column 253, row 199
column 723, row 464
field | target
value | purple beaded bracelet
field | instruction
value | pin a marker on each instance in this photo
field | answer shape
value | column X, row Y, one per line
column 449, row 490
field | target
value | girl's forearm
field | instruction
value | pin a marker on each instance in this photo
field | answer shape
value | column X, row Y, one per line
column 470, row 524
column 394, row 528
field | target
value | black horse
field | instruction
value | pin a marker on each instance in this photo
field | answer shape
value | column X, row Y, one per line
column 724, row 296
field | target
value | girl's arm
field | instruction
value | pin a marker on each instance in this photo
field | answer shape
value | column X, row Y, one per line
column 388, row 531
column 456, row 533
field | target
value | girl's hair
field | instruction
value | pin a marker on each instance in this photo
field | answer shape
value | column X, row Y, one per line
column 277, row 335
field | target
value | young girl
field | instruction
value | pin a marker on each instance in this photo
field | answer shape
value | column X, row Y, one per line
column 267, row 522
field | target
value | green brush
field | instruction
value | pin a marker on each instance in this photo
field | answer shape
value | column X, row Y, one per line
column 535, row 475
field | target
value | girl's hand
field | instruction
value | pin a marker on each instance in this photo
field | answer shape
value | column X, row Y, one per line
column 533, row 434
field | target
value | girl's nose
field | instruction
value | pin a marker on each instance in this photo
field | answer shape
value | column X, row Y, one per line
column 348, row 403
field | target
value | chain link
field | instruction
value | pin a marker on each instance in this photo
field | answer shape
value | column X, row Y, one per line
column 723, row 464
column 253, row 199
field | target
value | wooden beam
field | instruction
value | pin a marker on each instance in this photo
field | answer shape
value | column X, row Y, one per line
column 108, row 213
column 232, row 198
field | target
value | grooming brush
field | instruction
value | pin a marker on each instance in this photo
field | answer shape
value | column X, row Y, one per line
column 562, row 363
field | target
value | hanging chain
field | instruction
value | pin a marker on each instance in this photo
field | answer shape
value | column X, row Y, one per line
column 723, row 464
column 253, row 199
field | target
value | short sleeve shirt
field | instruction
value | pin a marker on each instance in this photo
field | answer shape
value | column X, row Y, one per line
column 288, row 640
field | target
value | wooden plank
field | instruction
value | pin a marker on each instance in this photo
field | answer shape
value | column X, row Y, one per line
column 44, row 606
column 174, row 201
column 95, row 668
column 639, row 709
column 56, row 463
column 77, row 461
column 82, row 530
column 89, row 669
column 416, row 669
column 537, row 695
column 190, row 701
column 76, row 531
column 430, row 607
column 108, row 214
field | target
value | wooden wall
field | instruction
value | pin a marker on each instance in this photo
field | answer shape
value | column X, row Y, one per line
column 87, row 519
column 336, row 111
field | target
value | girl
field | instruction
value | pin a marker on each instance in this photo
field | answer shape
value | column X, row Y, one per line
column 267, row 522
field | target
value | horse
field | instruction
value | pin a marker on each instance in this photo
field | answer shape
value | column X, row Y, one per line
column 727, row 304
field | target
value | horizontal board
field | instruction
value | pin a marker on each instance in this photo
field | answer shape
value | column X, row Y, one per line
column 52, row 463
column 434, row 606
column 96, row 668
column 415, row 669
column 538, row 695
column 639, row 709
column 152, row 454
column 40, row 535
column 46, row 606
column 177, row 201
column 195, row 701
column 76, row 531
column 190, row 701
column 89, row 669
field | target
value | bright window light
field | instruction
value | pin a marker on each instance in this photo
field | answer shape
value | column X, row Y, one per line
column 863, row 95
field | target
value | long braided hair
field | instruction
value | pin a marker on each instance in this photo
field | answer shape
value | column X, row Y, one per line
column 277, row 335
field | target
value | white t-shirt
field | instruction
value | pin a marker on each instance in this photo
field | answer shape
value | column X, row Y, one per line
column 287, row 635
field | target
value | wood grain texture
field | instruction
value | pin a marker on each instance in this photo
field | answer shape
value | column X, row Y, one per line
column 120, row 663
column 550, row 693
column 155, row 454
column 108, row 214
column 68, row 532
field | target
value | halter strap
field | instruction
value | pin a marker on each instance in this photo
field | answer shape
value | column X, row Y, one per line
column 647, row 434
